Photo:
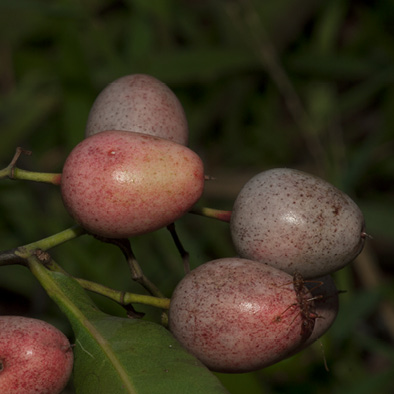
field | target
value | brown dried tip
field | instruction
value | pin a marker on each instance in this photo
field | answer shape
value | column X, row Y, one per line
column 365, row 235
column 306, row 305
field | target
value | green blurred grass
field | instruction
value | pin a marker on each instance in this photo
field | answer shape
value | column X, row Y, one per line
column 238, row 67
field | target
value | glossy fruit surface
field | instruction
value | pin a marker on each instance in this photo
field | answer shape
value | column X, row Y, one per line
column 119, row 184
column 296, row 222
column 139, row 103
column 238, row 315
column 35, row 357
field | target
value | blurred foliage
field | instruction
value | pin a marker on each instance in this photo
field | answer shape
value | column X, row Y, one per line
column 303, row 84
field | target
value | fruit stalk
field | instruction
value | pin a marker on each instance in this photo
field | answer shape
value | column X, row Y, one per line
column 13, row 172
column 212, row 213
column 24, row 175
column 20, row 254
column 51, row 241
column 136, row 270
column 184, row 254
column 123, row 298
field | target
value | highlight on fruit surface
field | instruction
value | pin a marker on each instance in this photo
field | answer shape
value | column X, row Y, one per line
column 238, row 315
column 139, row 103
column 296, row 222
column 119, row 184
column 35, row 357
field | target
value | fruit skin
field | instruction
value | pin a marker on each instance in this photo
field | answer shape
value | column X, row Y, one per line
column 139, row 103
column 237, row 315
column 296, row 222
column 119, row 184
column 35, row 356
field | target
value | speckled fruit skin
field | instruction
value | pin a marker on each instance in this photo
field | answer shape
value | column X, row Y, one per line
column 237, row 315
column 119, row 184
column 35, row 357
column 139, row 103
column 296, row 222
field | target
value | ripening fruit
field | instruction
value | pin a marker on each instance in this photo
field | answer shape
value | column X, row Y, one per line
column 119, row 184
column 296, row 222
column 35, row 357
column 238, row 315
column 139, row 103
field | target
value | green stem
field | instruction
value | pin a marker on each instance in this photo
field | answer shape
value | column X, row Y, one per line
column 45, row 177
column 12, row 172
column 50, row 242
column 20, row 254
column 213, row 213
column 121, row 297
column 36, row 251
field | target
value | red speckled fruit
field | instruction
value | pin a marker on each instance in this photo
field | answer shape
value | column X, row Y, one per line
column 238, row 315
column 296, row 222
column 119, row 184
column 35, row 357
column 139, row 103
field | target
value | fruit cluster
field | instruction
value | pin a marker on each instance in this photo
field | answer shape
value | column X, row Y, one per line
column 134, row 174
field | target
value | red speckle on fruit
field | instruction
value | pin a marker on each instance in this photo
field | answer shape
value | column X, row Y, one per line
column 295, row 221
column 35, row 357
column 139, row 103
column 236, row 315
column 140, row 188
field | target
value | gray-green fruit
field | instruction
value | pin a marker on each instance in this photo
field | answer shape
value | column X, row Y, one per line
column 139, row 103
column 296, row 222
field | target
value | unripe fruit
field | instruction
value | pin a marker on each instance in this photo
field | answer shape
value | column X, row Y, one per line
column 238, row 315
column 119, row 184
column 35, row 357
column 296, row 222
column 139, row 103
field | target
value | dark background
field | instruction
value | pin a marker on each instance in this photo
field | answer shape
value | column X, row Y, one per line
column 306, row 84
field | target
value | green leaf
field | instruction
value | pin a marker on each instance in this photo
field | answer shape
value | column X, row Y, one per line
column 120, row 355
